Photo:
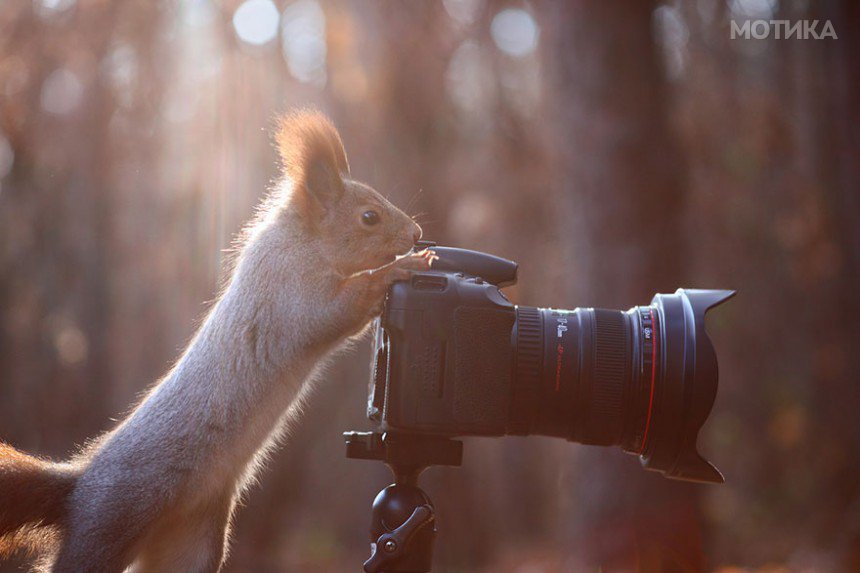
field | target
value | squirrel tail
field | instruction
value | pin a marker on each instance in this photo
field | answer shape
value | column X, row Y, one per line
column 33, row 500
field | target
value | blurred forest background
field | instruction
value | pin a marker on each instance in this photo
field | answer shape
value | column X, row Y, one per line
column 615, row 149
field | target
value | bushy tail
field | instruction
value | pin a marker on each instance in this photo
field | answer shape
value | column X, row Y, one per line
column 33, row 496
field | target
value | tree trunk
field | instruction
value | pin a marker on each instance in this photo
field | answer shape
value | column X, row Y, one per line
column 624, row 185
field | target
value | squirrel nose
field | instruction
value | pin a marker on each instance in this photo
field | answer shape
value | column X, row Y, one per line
column 416, row 233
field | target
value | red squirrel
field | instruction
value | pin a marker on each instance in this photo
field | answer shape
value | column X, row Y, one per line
column 157, row 493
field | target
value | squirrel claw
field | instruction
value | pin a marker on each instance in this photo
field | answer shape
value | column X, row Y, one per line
column 401, row 269
column 420, row 261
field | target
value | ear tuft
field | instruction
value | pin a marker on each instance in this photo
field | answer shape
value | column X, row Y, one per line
column 312, row 154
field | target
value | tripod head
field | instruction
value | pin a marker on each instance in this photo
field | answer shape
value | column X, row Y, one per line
column 403, row 522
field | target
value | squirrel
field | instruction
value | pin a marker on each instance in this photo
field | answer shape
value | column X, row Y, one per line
column 157, row 493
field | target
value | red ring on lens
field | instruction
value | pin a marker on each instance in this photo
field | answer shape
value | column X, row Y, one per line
column 653, row 377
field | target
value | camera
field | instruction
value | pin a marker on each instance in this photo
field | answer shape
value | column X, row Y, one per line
column 454, row 357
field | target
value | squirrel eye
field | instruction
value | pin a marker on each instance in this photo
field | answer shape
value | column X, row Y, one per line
column 370, row 218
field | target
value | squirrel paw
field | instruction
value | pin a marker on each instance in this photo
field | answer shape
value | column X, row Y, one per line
column 373, row 285
column 402, row 267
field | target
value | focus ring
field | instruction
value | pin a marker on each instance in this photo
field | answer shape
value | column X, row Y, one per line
column 611, row 363
column 524, row 396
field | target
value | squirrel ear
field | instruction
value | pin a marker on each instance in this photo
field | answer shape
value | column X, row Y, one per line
column 313, row 158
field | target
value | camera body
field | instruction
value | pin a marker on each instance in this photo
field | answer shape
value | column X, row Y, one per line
column 454, row 357
column 443, row 354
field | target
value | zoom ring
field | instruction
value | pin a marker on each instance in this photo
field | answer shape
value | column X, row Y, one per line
column 526, row 386
column 611, row 363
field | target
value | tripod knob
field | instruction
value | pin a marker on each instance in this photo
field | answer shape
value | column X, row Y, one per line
column 402, row 531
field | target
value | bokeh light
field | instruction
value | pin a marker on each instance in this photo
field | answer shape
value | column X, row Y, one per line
column 304, row 41
column 61, row 92
column 7, row 156
column 121, row 65
column 256, row 22
column 198, row 13
column 464, row 12
column 47, row 8
column 672, row 34
column 515, row 32
column 760, row 9
column 469, row 81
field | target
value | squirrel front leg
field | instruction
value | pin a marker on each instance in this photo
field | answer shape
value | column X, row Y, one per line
column 361, row 295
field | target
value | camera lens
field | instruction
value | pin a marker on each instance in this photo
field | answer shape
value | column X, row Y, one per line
column 644, row 379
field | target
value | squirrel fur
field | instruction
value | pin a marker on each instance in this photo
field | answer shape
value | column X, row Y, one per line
column 157, row 493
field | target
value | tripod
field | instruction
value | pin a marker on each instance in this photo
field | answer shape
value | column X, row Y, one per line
column 403, row 522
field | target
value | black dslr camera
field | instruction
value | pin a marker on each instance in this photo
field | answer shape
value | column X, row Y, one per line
column 453, row 357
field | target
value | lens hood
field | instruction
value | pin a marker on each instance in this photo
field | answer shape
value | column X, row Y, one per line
column 689, row 376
